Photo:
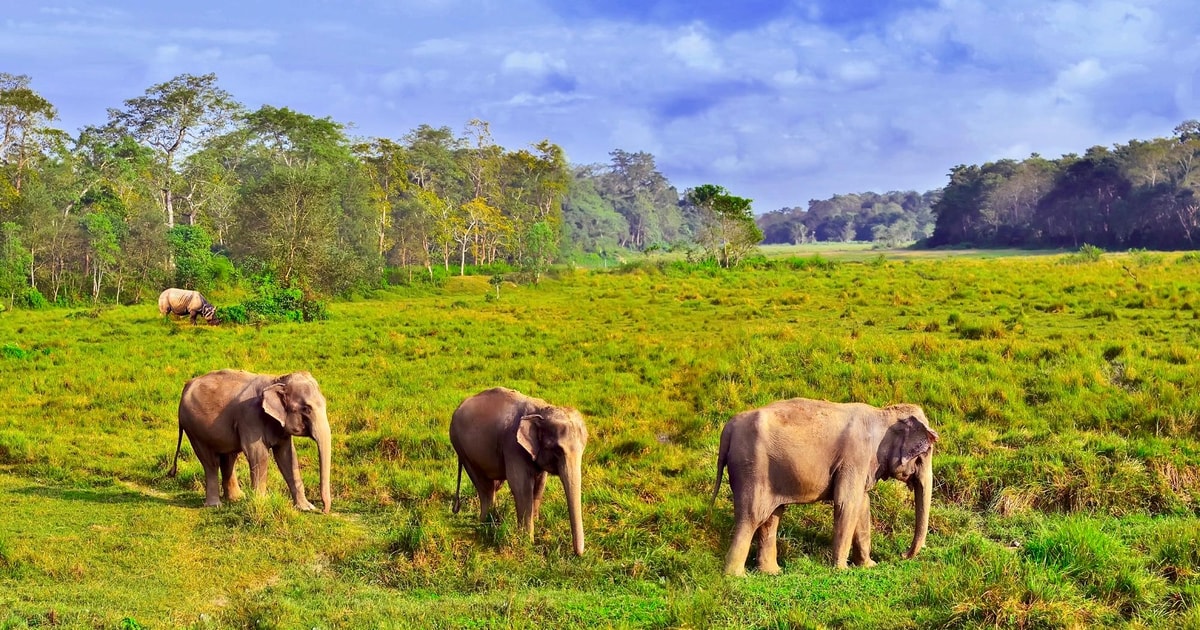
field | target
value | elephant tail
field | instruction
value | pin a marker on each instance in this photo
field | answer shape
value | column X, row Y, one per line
column 722, row 460
column 175, row 463
column 457, row 488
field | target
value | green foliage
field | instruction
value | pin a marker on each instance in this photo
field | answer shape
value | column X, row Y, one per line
column 196, row 267
column 15, row 260
column 233, row 314
column 541, row 244
column 1136, row 195
column 12, row 351
column 31, row 298
column 1143, row 258
column 1086, row 254
column 888, row 219
column 729, row 232
column 1189, row 258
column 274, row 302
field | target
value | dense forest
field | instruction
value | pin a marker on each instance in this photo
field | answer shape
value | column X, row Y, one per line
column 892, row 218
column 1138, row 195
column 184, row 186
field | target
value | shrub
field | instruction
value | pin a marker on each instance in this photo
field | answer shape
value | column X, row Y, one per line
column 1087, row 254
column 233, row 314
column 1143, row 258
column 273, row 302
column 31, row 298
column 1189, row 258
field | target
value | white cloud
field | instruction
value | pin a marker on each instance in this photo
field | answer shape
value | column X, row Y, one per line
column 857, row 73
column 532, row 62
column 695, row 51
column 399, row 80
column 782, row 113
column 441, row 46
column 226, row 36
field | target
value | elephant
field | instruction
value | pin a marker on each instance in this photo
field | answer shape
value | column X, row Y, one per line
column 230, row 411
column 502, row 434
column 182, row 302
column 801, row 451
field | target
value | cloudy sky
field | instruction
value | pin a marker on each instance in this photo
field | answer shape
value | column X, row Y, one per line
column 778, row 100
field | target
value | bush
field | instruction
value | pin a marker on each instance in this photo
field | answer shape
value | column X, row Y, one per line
column 1087, row 254
column 31, row 298
column 234, row 314
column 191, row 249
column 1190, row 258
column 273, row 302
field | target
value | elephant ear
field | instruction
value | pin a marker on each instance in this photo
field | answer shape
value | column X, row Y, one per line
column 273, row 402
column 918, row 440
column 527, row 434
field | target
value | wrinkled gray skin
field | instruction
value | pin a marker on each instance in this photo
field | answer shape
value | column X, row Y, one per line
column 228, row 412
column 186, row 303
column 801, row 451
column 501, row 434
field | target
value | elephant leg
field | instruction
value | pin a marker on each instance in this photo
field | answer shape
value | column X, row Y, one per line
column 522, row 483
column 487, row 489
column 212, row 468
column 739, row 545
column 861, row 549
column 289, row 465
column 233, row 490
column 484, row 487
column 539, row 489
column 257, row 455
column 846, row 514
column 767, row 539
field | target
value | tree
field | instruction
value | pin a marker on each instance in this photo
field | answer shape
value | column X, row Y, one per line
column 729, row 231
column 174, row 118
column 541, row 243
column 191, row 248
column 14, row 262
column 290, row 223
column 24, row 117
column 644, row 197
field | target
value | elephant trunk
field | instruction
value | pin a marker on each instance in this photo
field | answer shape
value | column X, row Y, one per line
column 922, row 494
column 572, row 480
column 321, row 435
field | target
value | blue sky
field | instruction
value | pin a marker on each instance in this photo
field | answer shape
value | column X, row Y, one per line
column 781, row 101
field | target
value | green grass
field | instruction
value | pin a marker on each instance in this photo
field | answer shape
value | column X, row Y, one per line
column 1067, row 478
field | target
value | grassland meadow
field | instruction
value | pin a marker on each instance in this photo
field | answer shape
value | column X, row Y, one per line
column 1067, row 478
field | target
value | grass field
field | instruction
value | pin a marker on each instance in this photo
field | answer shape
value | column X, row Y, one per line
column 1067, row 477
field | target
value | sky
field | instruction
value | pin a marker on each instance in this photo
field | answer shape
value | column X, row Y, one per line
column 781, row 101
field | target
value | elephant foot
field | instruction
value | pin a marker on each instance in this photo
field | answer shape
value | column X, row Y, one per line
column 735, row 572
column 868, row 563
column 305, row 506
column 770, row 570
column 212, row 503
column 236, row 495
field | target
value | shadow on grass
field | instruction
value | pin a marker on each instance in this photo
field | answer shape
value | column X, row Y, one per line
column 112, row 496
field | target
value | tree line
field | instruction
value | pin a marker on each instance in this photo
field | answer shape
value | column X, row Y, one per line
column 891, row 219
column 1142, row 194
column 184, row 186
